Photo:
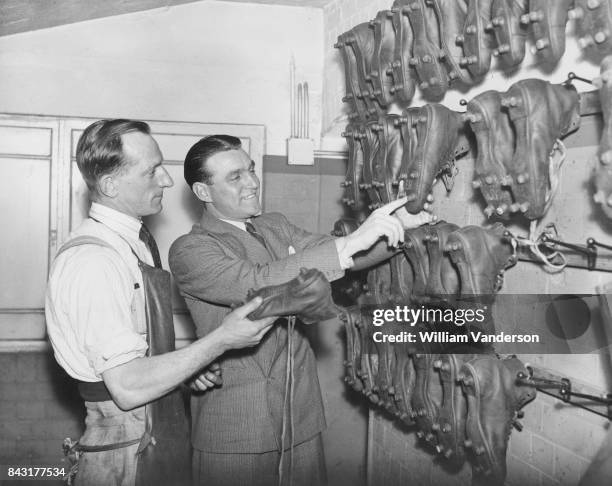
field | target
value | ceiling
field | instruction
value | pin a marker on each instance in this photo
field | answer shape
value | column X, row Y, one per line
column 24, row 15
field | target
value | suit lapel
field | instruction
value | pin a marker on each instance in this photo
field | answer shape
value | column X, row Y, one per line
column 250, row 249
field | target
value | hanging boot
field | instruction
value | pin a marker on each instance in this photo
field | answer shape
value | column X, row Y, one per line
column 453, row 410
column 384, row 50
column 351, row 318
column 404, row 76
column 510, row 33
column 493, row 402
column 371, row 146
column 475, row 39
column 443, row 279
column 437, row 130
column 495, row 150
column 427, row 397
column 426, row 53
column 481, row 256
column 361, row 40
column 387, row 168
column 353, row 196
column 548, row 20
column 594, row 18
column 451, row 15
column 307, row 296
column 416, row 254
column 404, row 380
column 357, row 107
column 541, row 113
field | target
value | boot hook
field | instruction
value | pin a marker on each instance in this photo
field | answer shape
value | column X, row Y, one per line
column 572, row 75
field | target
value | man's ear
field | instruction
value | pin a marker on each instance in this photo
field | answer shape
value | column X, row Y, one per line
column 107, row 186
column 200, row 189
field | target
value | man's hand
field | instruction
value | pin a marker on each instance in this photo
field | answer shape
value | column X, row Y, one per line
column 207, row 379
column 237, row 331
column 379, row 224
column 411, row 221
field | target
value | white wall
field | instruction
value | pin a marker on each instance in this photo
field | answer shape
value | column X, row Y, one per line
column 203, row 62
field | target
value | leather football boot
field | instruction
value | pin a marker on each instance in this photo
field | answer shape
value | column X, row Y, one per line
column 437, row 130
column 453, row 411
column 407, row 126
column 404, row 76
column 361, row 40
column 391, row 151
column 368, row 358
column 603, row 192
column 357, row 107
column 351, row 318
column 404, row 378
column 475, row 39
column 548, row 20
column 354, row 197
column 541, row 113
column 426, row 53
column 427, row 397
column 604, row 84
column 308, row 296
column 594, row 24
column 481, row 255
column 495, row 150
column 416, row 254
column 493, row 402
column 443, row 280
column 384, row 51
column 451, row 16
column 370, row 144
column 402, row 279
column 509, row 32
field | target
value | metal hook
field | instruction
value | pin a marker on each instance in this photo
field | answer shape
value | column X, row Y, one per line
column 572, row 75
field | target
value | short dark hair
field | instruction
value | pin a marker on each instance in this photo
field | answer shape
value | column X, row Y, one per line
column 100, row 149
column 204, row 149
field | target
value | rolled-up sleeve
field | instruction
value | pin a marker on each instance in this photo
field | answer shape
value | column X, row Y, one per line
column 100, row 303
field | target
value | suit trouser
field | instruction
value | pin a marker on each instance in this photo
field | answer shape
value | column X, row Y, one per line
column 214, row 469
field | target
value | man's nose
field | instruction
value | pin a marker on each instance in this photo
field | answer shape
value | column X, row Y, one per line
column 164, row 179
column 252, row 180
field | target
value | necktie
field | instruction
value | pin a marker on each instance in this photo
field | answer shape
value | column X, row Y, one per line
column 253, row 232
column 146, row 236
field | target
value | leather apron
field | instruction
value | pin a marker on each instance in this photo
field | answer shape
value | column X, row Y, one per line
column 164, row 451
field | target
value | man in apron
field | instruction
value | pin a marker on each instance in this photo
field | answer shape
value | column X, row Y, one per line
column 109, row 319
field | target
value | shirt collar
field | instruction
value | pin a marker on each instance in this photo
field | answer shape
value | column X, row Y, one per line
column 237, row 224
column 122, row 223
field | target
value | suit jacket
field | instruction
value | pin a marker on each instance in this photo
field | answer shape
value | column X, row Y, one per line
column 214, row 266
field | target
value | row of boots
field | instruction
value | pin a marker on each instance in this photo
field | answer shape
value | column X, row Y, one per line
column 401, row 155
column 517, row 133
column 435, row 43
column 463, row 405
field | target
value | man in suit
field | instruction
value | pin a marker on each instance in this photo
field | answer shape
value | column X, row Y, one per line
column 237, row 428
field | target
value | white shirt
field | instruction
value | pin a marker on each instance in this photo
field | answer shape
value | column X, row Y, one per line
column 95, row 300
